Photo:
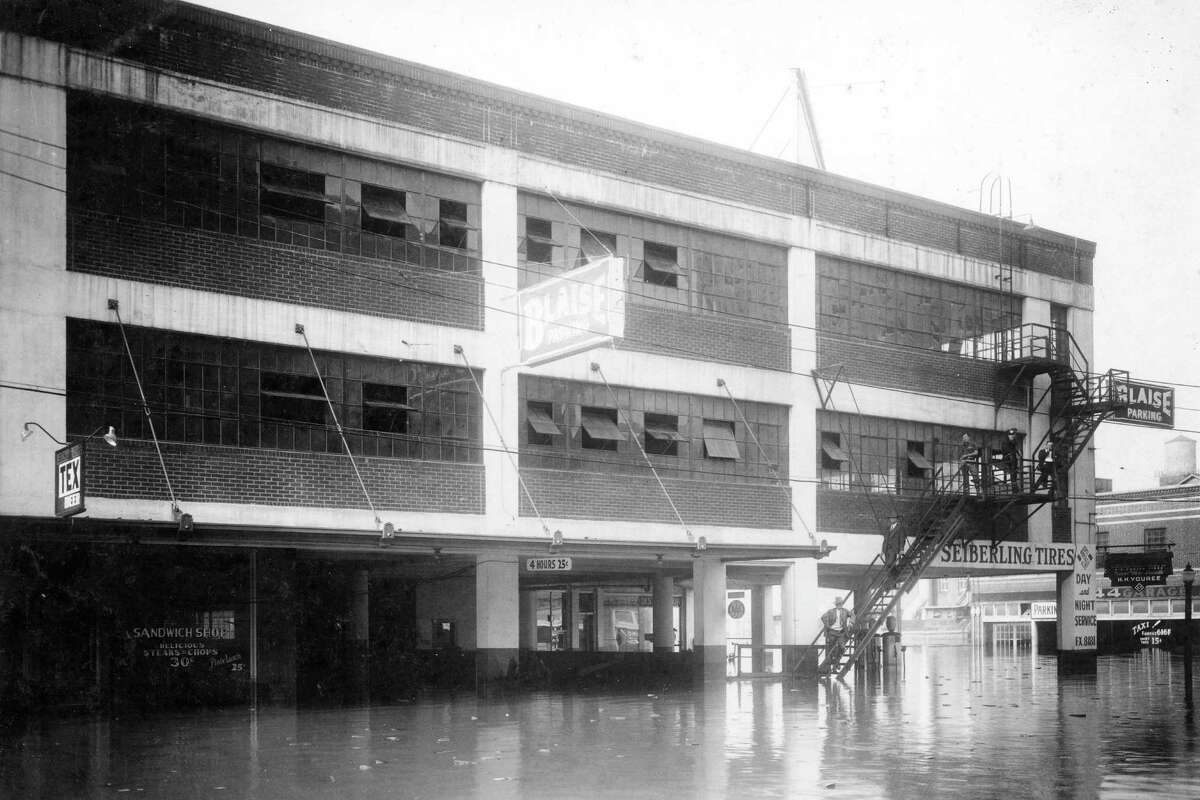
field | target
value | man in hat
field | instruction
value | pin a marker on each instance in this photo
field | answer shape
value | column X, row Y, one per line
column 837, row 627
column 1010, row 458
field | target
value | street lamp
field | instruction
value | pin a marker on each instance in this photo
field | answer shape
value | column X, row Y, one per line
column 1189, row 577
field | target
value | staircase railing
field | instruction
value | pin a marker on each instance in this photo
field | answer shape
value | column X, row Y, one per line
column 886, row 582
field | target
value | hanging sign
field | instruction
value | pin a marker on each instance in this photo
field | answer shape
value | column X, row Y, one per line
column 1138, row 569
column 551, row 564
column 68, row 480
column 577, row 310
column 1146, row 404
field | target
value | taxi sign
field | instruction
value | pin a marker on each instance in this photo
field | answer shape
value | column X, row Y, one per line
column 550, row 564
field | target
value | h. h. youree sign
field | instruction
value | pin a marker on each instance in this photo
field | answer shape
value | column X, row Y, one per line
column 579, row 309
column 1146, row 404
column 1138, row 569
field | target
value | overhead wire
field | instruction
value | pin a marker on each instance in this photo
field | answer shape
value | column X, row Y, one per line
column 888, row 347
column 576, row 457
column 628, row 292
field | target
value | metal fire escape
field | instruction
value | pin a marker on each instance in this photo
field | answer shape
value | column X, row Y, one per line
column 1078, row 402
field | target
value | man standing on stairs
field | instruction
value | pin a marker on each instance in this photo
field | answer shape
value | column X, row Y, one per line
column 1010, row 456
column 837, row 626
column 968, row 456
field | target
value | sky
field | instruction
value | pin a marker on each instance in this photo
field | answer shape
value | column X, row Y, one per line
column 1086, row 113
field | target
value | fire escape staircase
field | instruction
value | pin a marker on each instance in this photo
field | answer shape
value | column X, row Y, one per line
column 941, row 521
column 1079, row 401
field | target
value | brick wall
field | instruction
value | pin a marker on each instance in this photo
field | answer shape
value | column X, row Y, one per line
column 858, row 512
column 708, row 337
column 275, row 477
column 638, row 498
column 924, row 371
column 254, row 55
column 121, row 247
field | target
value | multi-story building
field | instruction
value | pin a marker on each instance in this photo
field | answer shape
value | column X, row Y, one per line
column 285, row 277
column 1159, row 525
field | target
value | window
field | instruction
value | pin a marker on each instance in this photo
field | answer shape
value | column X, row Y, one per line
column 595, row 245
column 192, row 174
column 600, row 431
column 385, row 408
column 916, row 464
column 1101, row 548
column 539, row 240
column 540, row 417
column 443, row 634
column 293, row 398
column 832, row 454
column 878, row 304
column 1156, row 538
column 452, row 224
column 383, row 211
column 834, row 460
column 719, row 440
column 662, row 434
column 291, row 193
column 661, row 264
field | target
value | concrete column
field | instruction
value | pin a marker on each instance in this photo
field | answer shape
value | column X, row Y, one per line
column 664, row 614
column 497, row 616
column 801, row 612
column 708, row 578
column 758, row 625
column 802, row 417
column 499, row 251
column 360, row 631
column 528, row 621
column 33, row 233
column 360, row 604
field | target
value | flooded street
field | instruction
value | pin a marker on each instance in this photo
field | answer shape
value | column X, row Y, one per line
column 956, row 724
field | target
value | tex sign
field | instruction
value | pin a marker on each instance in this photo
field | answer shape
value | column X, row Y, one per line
column 575, row 311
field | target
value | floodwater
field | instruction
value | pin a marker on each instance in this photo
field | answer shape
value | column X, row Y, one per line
column 956, row 723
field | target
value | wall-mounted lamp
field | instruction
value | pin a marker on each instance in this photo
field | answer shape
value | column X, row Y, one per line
column 701, row 546
column 110, row 436
column 556, row 542
column 387, row 531
column 186, row 523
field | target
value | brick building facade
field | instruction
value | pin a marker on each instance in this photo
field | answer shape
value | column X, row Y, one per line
column 284, row 270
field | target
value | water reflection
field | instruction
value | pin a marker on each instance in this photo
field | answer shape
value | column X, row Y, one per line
column 956, row 724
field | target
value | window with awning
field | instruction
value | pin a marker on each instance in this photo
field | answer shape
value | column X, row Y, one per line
column 600, row 430
column 384, row 211
column 662, row 434
column 660, row 264
column 539, row 240
column 719, row 440
column 540, row 419
column 595, row 245
column 833, row 452
column 292, row 193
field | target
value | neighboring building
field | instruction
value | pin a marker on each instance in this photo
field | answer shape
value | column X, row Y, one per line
column 1139, row 521
column 292, row 276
